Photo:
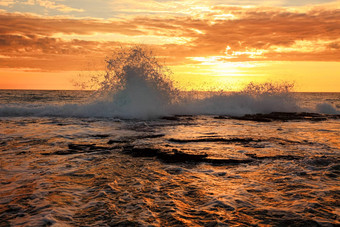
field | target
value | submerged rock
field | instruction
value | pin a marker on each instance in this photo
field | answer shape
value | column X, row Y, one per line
column 176, row 156
column 275, row 157
column 80, row 148
column 178, row 117
column 215, row 139
column 166, row 156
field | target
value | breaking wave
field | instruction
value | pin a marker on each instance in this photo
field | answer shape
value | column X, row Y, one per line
column 136, row 85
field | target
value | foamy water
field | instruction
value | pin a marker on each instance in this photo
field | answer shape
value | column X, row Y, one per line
column 139, row 105
column 62, row 168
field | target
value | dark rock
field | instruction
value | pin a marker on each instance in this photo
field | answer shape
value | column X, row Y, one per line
column 75, row 174
column 296, row 222
column 178, row 117
column 323, row 161
column 169, row 157
column 125, row 223
column 62, row 152
column 214, row 139
column 80, row 148
column 117, row 141
column 150, row 136
column 130, row 139
column 220, row 204
column 176, row 156
column 222, row 117
column 100, row 136
column 228, row 161
column 182, row 157
column 170, row 118
column 287, row 116
column 276, row 157
column 86, row 147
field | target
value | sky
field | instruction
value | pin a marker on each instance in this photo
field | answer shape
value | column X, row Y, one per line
column 215, row 44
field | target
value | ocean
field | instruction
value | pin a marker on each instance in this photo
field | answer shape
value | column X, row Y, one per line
column 69, row 158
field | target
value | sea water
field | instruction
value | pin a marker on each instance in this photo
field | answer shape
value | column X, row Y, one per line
column 70, row 160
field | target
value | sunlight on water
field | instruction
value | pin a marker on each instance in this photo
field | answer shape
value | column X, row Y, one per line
column 138, row 152
column 80, row 171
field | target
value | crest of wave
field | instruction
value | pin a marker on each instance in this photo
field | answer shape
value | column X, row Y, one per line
column 254, row 98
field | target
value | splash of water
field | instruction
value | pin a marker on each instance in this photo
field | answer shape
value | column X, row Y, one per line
column 254, row 98
column 139, row 87
column 137, row 84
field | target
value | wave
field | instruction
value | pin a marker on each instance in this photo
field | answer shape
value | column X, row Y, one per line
column 148, row 107
column 326, row 108
column 136, row 85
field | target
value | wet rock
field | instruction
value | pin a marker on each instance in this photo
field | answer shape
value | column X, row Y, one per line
column 276, row 157
column 87, row 148
column 214, row 140
column 178, row 118
column 333, row 171
column 220, row 204
column 220, row 174
column 296, row 222
column 323, row 161
column 169, row 157
column 125, row 223
column 117, row 141
column 14, row 209
column 287, row 116
column 335, row 167
column 80, row 148
column 62, row 152
column 301, row 173
column 228, row 161
column 150, row 136
column 176, row 156
column 222, row 117
column 131, row 139
column 175, row 170
column 171, row 118
column 215, row 224
column 83, row 175
column 100, row 135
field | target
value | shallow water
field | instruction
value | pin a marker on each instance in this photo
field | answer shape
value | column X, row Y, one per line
column 79, row 171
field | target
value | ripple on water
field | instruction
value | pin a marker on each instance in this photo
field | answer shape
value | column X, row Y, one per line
column 71, row 174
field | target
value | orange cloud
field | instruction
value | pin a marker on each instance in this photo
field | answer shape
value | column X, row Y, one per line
column 228, row 33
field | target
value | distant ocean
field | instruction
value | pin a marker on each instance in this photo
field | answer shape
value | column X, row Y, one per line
column 69, row 158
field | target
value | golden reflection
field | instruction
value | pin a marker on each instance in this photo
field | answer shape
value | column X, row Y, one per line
column 110, row 186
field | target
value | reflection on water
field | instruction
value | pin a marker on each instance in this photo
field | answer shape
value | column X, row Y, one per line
column 64, row 171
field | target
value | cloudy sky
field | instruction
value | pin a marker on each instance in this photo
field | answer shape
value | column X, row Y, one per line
column 208, row 44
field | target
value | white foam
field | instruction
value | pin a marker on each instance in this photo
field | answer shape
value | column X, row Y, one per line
column 326, row 108
column 145, row 103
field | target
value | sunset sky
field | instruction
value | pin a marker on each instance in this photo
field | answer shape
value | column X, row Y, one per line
column 219, row 44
